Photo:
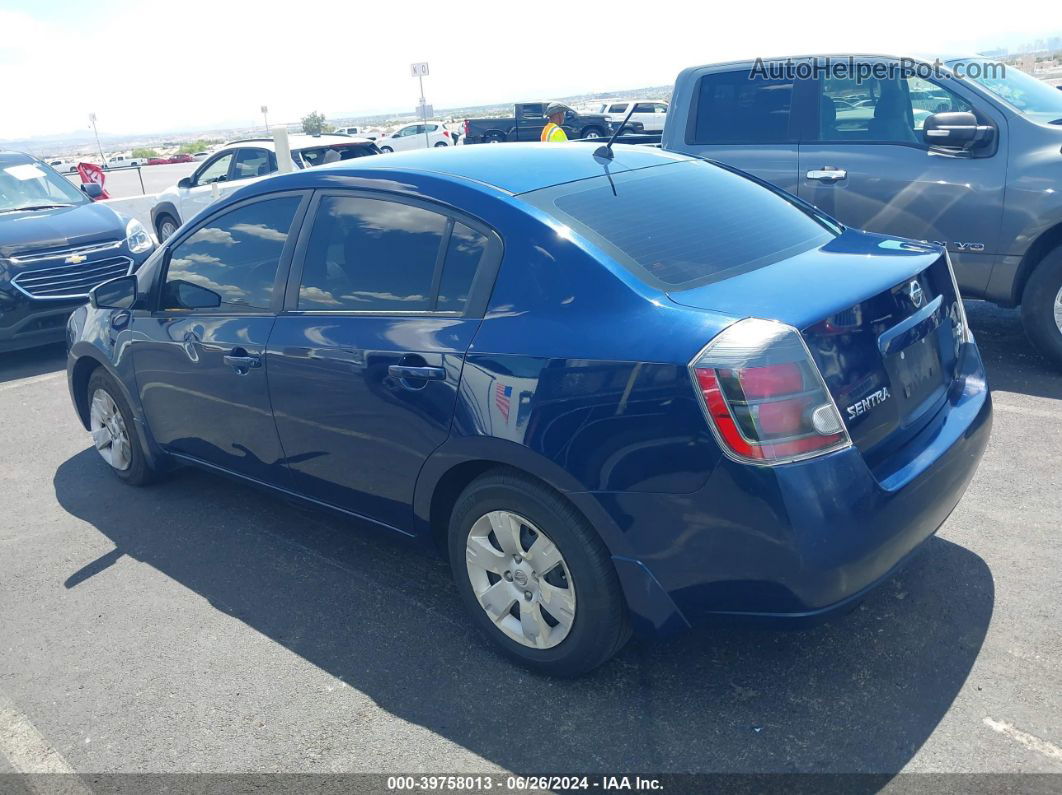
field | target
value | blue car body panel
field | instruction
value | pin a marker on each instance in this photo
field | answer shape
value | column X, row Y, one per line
column 576, row 373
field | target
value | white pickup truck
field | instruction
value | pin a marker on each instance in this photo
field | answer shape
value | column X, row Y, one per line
column 124, row 161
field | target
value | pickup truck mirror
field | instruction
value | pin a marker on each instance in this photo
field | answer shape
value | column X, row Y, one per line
column 117, row 293
column 956, row 129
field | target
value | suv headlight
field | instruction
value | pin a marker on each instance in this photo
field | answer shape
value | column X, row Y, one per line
column 137, row 237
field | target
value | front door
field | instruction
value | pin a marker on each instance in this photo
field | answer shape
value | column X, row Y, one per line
column 871, row 169
column 365, row 363
column 200, row 358
column 207, row 182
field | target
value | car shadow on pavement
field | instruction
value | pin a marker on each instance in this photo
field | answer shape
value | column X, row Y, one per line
column 1012, row 363
column 32, row 362
column 859, row 693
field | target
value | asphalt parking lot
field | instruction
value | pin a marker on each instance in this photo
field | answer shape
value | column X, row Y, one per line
column 198, row 625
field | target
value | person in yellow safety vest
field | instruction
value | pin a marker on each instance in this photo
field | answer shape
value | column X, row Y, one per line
column 553, row 132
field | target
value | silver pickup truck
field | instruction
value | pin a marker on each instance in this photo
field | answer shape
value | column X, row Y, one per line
column 965, row 152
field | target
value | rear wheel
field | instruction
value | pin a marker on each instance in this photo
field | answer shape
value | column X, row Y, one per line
column 165, row 226
column 114, row 433
column 1041, row 307
column 593, row 132
column 386, row 149
column 440, row 143
column 536, row 578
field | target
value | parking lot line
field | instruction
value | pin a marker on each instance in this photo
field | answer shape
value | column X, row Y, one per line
column 1030, row 741
column 26, row 750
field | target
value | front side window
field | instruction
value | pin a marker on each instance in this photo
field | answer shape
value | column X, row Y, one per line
column 215, row 170
column 229, row 264
column 742, row 107
column 1021, row 91
column 891, row 110
column 371, row 255
column 685, row 224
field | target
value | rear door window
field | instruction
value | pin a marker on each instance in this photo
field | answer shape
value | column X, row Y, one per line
column 252, row 163
column 686, row 224
column 741, row 107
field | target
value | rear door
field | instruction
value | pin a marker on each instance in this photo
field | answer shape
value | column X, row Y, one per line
column 869, row 167
column 746, row 118
column 364, row 364
column 199, row 357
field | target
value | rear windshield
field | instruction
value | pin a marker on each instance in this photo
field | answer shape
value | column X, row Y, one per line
column 321, row 155
column 685, row 224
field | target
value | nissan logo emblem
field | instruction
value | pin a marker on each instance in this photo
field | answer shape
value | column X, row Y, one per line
column 914, row 292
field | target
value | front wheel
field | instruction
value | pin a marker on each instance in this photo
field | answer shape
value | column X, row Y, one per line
column 536, row 578
column 1041, row 307
column 114, row 432
column 592, row 132
column 440, row 143
column 166, row 226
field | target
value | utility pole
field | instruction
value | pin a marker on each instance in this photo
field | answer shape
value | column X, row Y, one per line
column 265, row 115
column 92, row 119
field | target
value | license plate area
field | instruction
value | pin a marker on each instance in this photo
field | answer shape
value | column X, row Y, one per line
column 917, row 377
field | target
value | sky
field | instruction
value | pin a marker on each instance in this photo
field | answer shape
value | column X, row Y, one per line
column 147, row 67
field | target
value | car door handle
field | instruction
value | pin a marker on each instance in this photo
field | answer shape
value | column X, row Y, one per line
column 407, row 371
column 241, row 363
column 827, row 174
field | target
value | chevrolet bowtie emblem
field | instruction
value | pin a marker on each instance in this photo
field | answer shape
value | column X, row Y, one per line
column 75, row 259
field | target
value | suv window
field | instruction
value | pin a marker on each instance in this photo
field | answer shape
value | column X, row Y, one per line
column 619, row 107
column 883, row 111
column 739, row 107
column 252, row 163
column 232, row 258
column 644, row 107
column 371, row 255
column 708, row 223
column 215, row 171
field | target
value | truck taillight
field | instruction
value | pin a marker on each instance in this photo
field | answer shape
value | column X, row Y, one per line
column 764, row 397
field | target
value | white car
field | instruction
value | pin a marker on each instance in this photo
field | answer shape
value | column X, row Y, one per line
column 239, row 162
column 412, row 136
column 650, row 112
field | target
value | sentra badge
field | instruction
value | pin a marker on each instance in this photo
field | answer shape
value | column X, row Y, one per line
column 869, row 402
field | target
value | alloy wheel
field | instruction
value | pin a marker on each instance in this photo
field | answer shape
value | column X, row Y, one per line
column 1058, row 310
column 109, row 434
column 520, row 579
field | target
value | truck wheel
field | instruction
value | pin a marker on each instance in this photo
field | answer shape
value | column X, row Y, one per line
column 165, row 226
column 1041, row 307
column 494, row 138
column 593, row 132
column 535, row 577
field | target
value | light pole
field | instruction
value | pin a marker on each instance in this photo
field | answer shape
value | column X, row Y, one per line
column 265, row 115
column 92, row 119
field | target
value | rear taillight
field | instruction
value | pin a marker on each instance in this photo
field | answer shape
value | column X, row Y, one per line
column 764, row 397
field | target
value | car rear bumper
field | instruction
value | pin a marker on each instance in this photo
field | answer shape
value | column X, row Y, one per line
column 799, row 541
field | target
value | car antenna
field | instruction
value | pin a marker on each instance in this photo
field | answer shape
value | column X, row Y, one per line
column 606, row 150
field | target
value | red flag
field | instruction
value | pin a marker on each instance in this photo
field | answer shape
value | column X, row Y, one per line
column 90, row 172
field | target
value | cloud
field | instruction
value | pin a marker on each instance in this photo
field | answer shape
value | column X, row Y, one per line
column 261, row 231
column 214, row 235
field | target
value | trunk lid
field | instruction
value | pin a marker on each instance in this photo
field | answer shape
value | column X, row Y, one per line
column 879, row 317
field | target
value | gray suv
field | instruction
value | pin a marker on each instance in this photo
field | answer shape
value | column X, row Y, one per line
column 964, row 152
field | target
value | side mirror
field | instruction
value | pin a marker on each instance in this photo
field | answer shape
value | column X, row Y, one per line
column 117, row 293
column 92, row 189
column 185, row 182
column 188, row 295
column 956, row 129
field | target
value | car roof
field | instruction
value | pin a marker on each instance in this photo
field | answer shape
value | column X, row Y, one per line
column 513, row 167
column 928, row 58
column 299, row 141
column 9, row 156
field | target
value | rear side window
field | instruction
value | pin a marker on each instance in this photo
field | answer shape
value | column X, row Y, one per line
column 371, row 255
column 229, row 264
column 464, row 255
column 685, row 224
column 742, row 107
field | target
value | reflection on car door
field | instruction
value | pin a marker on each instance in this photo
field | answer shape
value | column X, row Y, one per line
column 870, row 168
column 199, row 357
column 746, row 120
column 365, row 362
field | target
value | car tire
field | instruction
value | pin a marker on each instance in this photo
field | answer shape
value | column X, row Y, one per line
column 579, row 584
column 386, row 149
column 165, row 226
column 440, row 143
column 593, row 132
column 1041, row 307
column 114, row 431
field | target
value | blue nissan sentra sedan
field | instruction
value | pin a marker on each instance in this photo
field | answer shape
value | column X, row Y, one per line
column 623, row 394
